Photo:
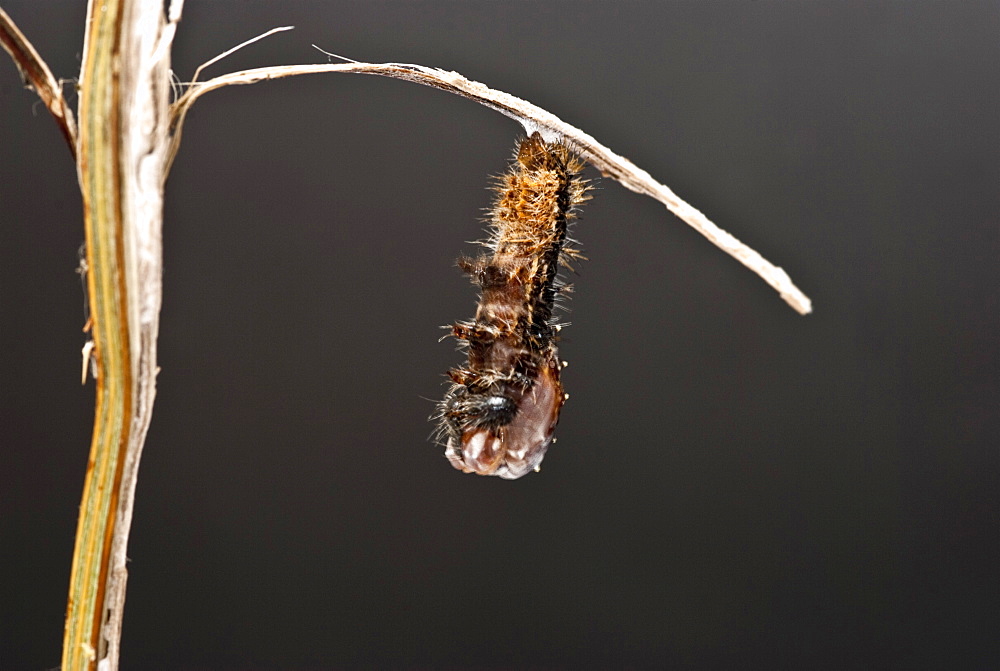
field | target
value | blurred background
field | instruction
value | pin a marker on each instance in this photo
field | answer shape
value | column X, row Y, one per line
column 734, row 486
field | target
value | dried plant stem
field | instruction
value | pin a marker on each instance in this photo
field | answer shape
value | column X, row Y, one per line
column 122, row 145
column 532, row 118
column 37, row 75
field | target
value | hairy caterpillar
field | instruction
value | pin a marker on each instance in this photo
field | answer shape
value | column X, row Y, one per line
column 498, row 416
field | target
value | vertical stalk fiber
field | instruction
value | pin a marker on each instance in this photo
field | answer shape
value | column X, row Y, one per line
column 100, row 147
column 121, row 149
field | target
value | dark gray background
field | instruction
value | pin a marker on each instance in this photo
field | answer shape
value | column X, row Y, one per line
column 734, row 486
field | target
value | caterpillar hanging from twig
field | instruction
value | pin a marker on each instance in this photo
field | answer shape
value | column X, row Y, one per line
column 498, row 416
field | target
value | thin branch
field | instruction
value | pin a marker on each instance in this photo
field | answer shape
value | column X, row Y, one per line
column 237, row 48
column 37, row 76
column 532, row 118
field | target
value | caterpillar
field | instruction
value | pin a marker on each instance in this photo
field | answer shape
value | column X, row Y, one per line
column 500, row 412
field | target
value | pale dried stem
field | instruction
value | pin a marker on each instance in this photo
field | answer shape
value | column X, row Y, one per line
column 122, row 147
column 532, row 118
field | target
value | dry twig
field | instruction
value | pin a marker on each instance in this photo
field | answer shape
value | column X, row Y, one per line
column 36, row 74
column 532, row 118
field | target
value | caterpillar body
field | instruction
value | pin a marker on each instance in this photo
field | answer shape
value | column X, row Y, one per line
column 499, row 415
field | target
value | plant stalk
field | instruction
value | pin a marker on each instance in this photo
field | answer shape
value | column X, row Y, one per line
column 123, row 117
